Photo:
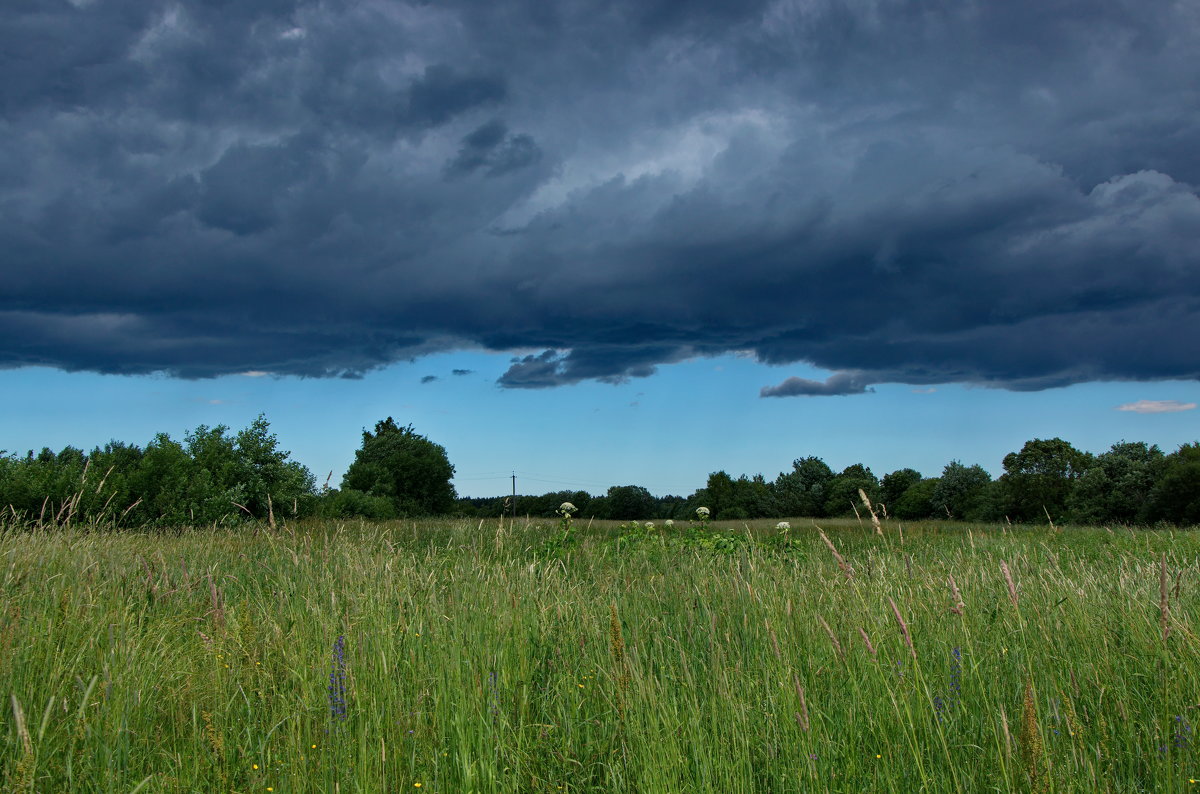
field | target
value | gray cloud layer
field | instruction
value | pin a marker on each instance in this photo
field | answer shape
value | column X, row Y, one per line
column 840, row 383
column 993, row 193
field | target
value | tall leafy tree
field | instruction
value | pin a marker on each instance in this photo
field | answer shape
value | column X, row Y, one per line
column 842, row 497
column 801, row 491
column 895, row 484
column 960, row 492
column 405, row 467
column 269, row 478
column 720, row 493
column 1176, row 495
column 917, row 502
column 630, row 502
column 1038, row 479
column 1115, row 488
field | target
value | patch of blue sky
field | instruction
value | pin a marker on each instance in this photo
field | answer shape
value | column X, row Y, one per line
column 666, row 432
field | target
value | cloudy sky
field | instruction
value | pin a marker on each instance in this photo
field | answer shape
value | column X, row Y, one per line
column 896, row 232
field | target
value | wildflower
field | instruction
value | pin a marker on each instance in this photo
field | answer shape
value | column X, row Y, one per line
column 783, row 525
column 702, row 512
column 416, row 785
column 1183, row 733
column 668, row 523
column 877, row 755
column 255, row 766
column 566, row 509
column 649, row 525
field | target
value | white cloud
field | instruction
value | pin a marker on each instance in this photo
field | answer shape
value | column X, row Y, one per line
column 1156, row 406
column 929, row 390
column 253, row 373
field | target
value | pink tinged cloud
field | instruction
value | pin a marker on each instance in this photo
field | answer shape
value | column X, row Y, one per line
column 1156, row 406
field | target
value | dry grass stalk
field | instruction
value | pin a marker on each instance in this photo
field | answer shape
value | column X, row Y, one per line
column 774, row 641
column 867, row 641
column 1032, row 749
column 20, row 777
column 1012, row 588
column 837, row 646
column 874, row 518
column 270, row 512
column 1162, row 597
column 1051, row 520
column 125, row 512
column 833, row 549
column 1008, row 742
column 617, row 649
column 22, row 730
column 151, row 585
column 958, row 600
column 105, row 478
column 903, row 629
column 802, row 714
column 218, row 614
column 1074, row 729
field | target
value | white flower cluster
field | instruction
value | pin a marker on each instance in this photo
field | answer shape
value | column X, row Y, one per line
column 566, row 509
column 783, row 525
column 702, row 512
column 668, row 523
column 649, row 525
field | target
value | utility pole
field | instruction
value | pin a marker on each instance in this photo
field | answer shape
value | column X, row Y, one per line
column 514, row 514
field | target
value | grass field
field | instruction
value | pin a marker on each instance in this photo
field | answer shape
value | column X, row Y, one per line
column 455, row 657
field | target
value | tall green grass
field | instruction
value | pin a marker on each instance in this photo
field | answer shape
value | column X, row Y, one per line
column 478, row 659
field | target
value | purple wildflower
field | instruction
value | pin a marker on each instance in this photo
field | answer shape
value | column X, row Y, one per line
column 1183, row 733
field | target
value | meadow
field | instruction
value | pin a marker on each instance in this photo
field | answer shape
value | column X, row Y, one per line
column 453, row 656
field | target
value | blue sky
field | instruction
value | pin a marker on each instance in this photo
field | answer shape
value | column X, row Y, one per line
column 773, row 225
column 666, row 432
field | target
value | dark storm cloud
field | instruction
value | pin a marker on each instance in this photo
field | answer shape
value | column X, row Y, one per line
column 1002, row 194
column 839, row 383
column 492, row 149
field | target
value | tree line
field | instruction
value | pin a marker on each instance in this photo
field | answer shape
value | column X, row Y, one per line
column 1047, row 480
column 216, row 476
